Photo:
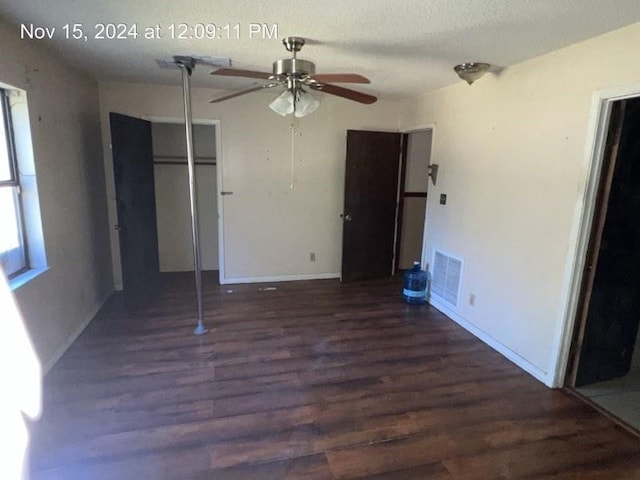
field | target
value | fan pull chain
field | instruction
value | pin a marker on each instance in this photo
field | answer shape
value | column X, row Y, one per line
column 293, row 136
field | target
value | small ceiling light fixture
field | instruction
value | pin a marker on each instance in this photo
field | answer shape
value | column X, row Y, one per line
column 472, row 71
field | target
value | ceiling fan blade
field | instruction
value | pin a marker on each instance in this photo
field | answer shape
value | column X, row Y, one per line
column 345, row 93
column 233, row 72
column 243, row 92
column 340, row 78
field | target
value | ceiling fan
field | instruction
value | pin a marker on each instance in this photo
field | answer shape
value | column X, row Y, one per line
column 294, row 74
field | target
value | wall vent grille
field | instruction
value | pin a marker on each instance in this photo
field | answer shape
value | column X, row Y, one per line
column 446, row 277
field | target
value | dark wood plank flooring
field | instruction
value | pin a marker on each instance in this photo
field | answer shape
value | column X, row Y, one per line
column 312, row 380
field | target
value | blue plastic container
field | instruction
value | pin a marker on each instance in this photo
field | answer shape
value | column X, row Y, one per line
column 415, row 285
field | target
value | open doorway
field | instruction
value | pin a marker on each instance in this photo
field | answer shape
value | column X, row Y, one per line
column 412, row 205
column 605, row 355
column 154, row 215
column 386, row 180
column 175, row 245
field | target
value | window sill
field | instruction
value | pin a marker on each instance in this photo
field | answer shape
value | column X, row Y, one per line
column 24, row 278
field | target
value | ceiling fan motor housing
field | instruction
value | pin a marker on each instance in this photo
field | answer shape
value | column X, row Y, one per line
column 296, row 67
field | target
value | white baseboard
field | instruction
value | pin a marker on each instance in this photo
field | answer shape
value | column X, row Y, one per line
column 57, row 355
column 527, row 366
column 280, row 278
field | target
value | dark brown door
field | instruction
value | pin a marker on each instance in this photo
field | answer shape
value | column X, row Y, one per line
column 370, row 200
column 612, row 311
column 135, row 197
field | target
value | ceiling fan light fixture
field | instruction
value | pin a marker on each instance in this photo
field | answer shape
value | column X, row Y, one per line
column 305, row 104
column 283, row 104
column 471, row 71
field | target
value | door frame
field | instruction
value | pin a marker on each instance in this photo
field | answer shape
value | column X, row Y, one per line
column 592, row 256
column 585, row 211
column 219, row 173
column 419, row 128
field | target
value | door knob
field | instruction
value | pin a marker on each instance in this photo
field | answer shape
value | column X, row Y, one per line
column 346, row 217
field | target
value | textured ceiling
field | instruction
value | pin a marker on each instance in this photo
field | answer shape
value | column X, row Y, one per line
column 405, row 46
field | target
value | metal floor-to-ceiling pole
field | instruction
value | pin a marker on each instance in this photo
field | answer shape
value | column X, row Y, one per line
column 187, row 65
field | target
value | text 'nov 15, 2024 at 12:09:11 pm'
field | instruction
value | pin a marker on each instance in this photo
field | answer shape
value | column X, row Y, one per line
column 134, row 31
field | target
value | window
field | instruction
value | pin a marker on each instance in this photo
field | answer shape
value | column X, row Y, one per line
column 22, row 252
column 13, row 252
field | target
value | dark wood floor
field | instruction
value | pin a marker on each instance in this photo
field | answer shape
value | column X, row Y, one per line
column 313, row 380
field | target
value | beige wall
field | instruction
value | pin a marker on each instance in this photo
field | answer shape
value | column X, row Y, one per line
column 511, row 150
column 65, row 126
column 269, row 228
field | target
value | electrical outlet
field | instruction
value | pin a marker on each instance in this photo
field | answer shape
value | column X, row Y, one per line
column 312, row 256
column 472, row 299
